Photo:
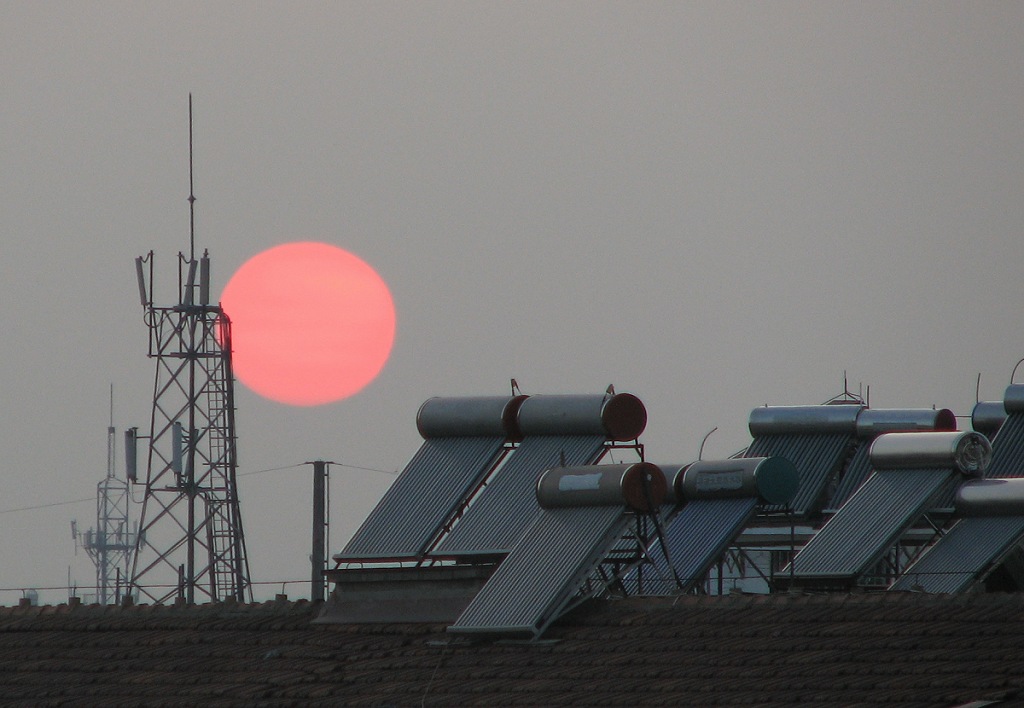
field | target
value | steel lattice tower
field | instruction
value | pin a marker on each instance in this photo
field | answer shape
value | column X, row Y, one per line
column 111, row 543
column 191, row 544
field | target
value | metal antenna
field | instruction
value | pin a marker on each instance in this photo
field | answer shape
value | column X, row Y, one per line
column 110, row 435
column 191, row 190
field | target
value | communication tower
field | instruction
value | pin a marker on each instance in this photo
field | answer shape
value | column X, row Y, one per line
column 190, row 545
column 111, row 544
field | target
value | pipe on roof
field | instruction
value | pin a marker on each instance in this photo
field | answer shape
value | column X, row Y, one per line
column 967, row 451
column 470, row 416
column 640, row 486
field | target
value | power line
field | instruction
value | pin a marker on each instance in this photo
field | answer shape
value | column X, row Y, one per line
column 393, row 473
column 156, row 586
column 46, row 506
column 333, row 464
column 241, row 474
column 271, row 469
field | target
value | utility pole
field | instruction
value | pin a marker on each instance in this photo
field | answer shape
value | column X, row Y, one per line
column 321, row 528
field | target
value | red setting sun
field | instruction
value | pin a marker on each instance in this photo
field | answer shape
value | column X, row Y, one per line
column 311, row 323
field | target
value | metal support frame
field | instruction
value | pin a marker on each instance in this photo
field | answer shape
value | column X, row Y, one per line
column 741, row 564
column 632, row 550
column 903, row 553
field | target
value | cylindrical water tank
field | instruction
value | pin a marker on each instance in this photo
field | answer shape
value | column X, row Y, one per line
column 673, row 473
column 967, row 451
column 874, row 421
column 988, row 417
column 469, row 416
column 1013, row 398
column 640, row 486
column 991, row 497
column 620, row 416
column 777, row 420
column 774, row 479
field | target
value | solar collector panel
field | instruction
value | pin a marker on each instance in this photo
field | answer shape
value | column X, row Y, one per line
column 825, row 441
column 545, row 569
column 464, row 438
column 816, row 456
column 872, row 520
column 585, row 511
column 423, row 497
column 991, row 527
column 720, row 497
column 855, row 474
column 1008, row 449
column 504, row 508
column 911, row 471
column 1008, row 440
column 702, row 532
column 695, row 538
column 873, row 422
column 567, row 431
column 961, row 557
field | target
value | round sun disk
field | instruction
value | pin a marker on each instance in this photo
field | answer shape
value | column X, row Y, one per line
column 311, row 323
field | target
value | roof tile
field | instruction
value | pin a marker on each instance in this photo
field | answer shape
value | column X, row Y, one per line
column 907, row 649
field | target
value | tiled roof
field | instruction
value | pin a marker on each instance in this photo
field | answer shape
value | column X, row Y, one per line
column 859, row 649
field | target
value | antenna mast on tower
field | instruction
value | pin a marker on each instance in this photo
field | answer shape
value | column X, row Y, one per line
column 191, row 543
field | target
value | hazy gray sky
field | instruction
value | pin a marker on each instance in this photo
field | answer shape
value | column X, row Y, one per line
column 712, row 205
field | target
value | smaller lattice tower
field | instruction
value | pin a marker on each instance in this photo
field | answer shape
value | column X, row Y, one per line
column 110, row 545
column 190, row 544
